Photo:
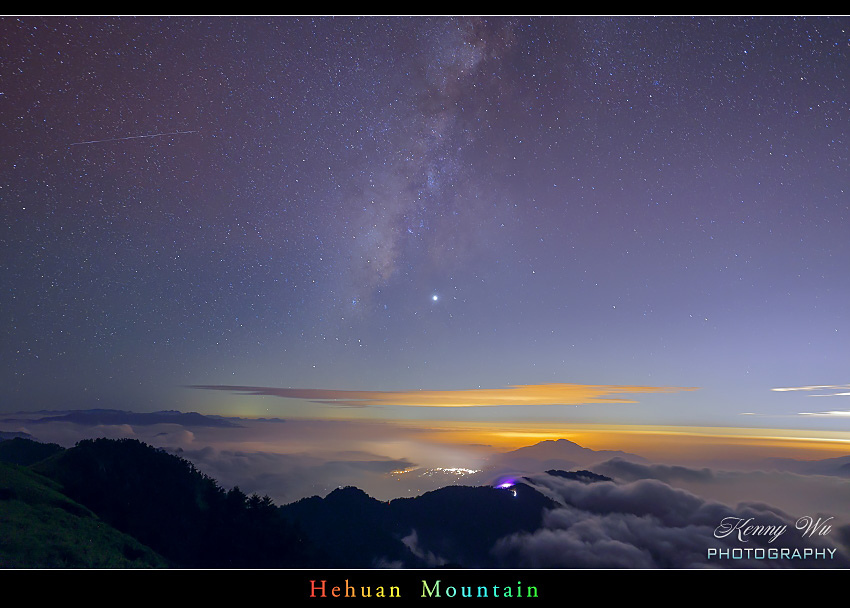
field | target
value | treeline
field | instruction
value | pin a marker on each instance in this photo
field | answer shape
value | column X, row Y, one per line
column 168, row 505
column 163, row 501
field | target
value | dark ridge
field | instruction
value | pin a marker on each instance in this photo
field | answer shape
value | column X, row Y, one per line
column 585, row 476
column 26, row 451
column 167, row 504
column 6, row 435
column 455, row 525
column 95, row 417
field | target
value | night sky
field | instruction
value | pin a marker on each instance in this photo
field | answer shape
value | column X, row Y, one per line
column 211, row 214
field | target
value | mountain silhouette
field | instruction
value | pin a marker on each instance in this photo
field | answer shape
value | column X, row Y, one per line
column 26, row 451
column 555, row 454
column 838, row 466
column 5, row 435
column 95, row 417
column 167, row 504
column 42, row 528
column 584, row 476
column 453, row 525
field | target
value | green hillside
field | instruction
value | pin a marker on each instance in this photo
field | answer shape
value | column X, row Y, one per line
column 41, row 528
column 166, row 503
column 26, row 451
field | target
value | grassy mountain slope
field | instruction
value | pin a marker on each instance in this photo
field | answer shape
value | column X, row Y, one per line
column 42, row 528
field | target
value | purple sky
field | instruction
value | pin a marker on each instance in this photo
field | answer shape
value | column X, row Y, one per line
column 405, row 204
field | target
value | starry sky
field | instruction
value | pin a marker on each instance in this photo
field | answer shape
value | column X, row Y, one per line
column 441, row 221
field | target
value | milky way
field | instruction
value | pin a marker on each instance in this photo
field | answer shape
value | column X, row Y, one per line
column 395, row 204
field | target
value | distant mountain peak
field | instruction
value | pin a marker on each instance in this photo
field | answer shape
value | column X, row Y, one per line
column 556, row 454
column 103, row 416
column 4, row 435
column 349, row 493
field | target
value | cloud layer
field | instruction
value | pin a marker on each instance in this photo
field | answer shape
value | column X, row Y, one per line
column 650, row 524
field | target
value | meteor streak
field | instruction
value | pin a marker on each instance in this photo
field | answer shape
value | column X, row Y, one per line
column 100, row 141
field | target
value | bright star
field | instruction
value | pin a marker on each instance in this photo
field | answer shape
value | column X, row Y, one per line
column 435, row 297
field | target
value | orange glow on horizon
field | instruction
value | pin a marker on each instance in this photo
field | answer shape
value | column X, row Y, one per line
column 653, row 442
